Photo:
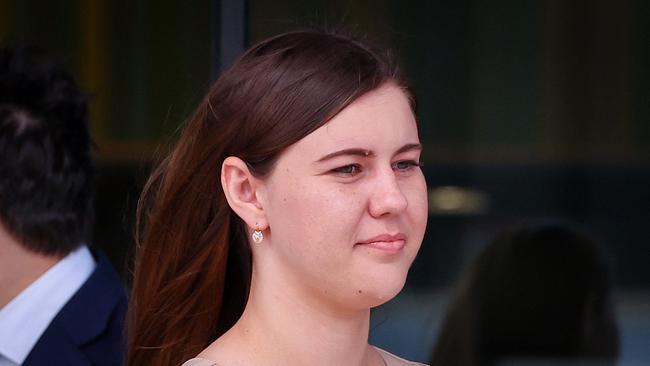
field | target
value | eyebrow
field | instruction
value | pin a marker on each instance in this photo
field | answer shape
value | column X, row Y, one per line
column 366, row 153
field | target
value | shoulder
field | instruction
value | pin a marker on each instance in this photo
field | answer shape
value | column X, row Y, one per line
column 93, row 318
column 100, row 302
column 199, row 362
column 392, row 360
column 89, row 326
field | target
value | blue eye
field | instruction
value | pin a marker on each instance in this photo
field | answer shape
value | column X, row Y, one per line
column 351, row 169
column 404, row 165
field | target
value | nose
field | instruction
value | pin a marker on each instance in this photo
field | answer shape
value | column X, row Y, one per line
column 386, row 197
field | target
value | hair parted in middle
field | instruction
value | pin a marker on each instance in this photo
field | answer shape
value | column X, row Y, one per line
column 193, row 260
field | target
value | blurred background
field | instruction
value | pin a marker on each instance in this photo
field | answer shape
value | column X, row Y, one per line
column 528, row 110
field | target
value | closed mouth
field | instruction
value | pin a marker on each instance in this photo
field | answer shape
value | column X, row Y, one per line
column 392, row 243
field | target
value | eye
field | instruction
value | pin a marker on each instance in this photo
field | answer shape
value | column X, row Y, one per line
column 347, row 170
column 405, row 165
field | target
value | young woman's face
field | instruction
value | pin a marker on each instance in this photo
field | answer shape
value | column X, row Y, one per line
column 347, row 204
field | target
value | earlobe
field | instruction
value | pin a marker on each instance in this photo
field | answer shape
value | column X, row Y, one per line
column 240, row 188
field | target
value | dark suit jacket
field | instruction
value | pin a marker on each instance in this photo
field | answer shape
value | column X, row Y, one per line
column 89, row 328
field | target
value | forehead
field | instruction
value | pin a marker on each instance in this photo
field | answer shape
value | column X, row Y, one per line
column 381, row 119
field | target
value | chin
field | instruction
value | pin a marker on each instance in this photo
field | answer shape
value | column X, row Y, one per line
column 382, row 291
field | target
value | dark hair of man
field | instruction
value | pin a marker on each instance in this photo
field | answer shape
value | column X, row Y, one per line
column 46, row 175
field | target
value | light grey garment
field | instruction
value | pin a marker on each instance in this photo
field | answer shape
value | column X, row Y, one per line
column 389, row 359
column 199, row 362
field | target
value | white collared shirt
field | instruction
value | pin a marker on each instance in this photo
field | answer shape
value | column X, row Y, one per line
column 25, row 318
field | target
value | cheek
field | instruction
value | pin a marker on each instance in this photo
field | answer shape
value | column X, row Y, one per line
column 417, row 197
column 289, row 209
column 310, row 211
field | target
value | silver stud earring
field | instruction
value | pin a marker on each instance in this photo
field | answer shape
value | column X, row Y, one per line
column 257, row 235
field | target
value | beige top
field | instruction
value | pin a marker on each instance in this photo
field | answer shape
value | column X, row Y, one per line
column 389, row 358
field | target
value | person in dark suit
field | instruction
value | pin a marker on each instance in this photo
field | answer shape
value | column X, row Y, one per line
column 61, row 303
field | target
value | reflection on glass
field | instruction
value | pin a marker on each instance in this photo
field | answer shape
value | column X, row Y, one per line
column 536, row 295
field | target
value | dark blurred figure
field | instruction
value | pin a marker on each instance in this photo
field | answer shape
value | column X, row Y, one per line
column 60, row 303
column 536, row 295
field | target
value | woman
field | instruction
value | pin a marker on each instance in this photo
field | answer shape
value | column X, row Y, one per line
column 291, row 205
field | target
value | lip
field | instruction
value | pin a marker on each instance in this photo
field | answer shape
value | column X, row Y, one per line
column 392, row 243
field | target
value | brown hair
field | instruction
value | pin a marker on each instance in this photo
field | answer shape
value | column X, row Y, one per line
column 193, row 262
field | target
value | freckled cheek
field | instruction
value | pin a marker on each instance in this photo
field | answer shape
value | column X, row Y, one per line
column 321, row 211
column 346, row 207
column 316, row 226
column 297, row 203
column 418, row 203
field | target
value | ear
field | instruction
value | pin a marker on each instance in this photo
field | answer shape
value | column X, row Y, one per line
column 240, row 188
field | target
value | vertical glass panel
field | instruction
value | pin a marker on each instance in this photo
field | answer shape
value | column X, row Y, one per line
column 144, row 66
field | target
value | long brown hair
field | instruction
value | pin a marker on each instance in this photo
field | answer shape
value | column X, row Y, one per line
column 193, row 262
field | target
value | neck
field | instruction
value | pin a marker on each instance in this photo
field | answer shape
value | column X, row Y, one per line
column 285, row 327
column 19, row 267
